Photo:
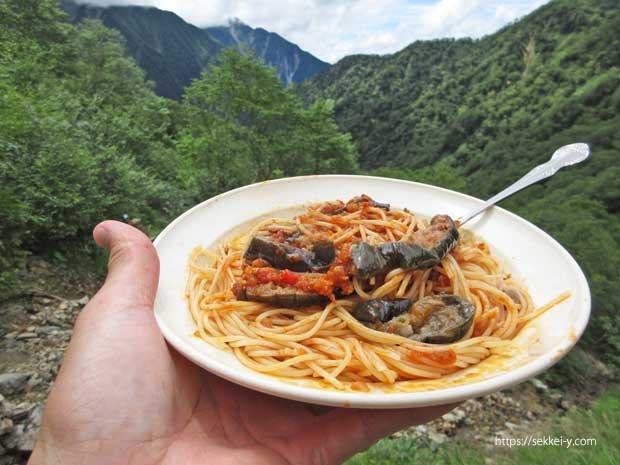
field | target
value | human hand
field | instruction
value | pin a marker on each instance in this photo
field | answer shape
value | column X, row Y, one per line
column 123, row 396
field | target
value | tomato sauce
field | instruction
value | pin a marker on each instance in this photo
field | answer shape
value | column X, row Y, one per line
column 315, row 283
column 443, row 357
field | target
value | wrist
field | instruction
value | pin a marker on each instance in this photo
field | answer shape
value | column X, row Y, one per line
column 47, row 452
column 37, row 457
column 40, row 454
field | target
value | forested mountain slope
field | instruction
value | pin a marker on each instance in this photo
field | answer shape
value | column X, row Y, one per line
column 475, row 115
column 415, row 106
column 84, row 138
column 294, row 65
column 173, row 52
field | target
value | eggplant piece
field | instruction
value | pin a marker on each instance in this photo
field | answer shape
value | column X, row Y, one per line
column 430, row 246
column 278, row 254
column 407, row 255
column 448, row 318
column 380, row 310
column 285, row 256
column 367, row 260
column 443, row 234
column 361, row 199
column 279, row 296
column 440, row 319
column 324, row 255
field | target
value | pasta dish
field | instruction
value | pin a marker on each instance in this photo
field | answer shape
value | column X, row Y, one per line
column 357, row 295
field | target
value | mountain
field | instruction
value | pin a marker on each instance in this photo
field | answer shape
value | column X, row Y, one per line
column 449, row 97
column 293, row 64
column 173, row 52
column 475, row 115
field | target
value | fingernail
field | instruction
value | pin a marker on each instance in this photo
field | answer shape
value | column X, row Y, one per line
column 102, row 236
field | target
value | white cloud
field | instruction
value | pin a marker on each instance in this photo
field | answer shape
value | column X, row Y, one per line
column 331, row 29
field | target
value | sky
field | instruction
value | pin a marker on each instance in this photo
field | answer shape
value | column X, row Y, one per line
column 332, row 29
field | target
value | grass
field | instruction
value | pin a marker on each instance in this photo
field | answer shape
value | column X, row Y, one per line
column 602, row 423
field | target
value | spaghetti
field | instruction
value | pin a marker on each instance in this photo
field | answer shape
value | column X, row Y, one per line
column 326, row 342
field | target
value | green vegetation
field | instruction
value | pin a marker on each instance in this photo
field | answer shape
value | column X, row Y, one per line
column 602, row 423
column 240, row 125
column 475, row 115
column 170, row 51
column 173, row 52
column 84, row 138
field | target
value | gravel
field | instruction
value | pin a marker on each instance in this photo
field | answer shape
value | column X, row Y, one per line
column 11, row 383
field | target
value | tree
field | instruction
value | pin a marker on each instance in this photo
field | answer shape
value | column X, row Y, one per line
column 245, row 125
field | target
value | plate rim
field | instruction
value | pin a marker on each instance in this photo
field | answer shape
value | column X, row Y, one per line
column 457, row 393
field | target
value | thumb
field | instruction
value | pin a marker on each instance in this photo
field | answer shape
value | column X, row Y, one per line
column 133, row 266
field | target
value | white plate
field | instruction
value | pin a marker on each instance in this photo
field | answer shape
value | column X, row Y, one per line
column 546, row 268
